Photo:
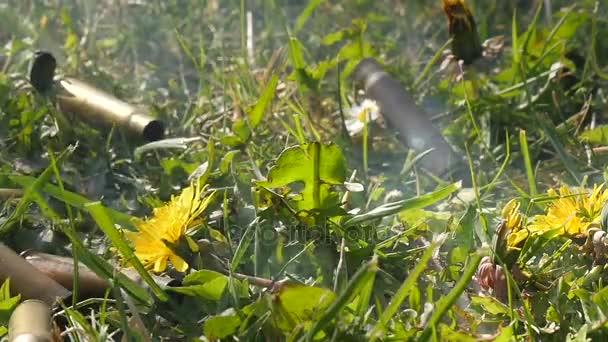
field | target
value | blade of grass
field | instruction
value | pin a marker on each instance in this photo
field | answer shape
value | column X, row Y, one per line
column 246, row 239
column 75, row 285
column 523, row 143
column 514, row 40
column 306, row 13
column 553, row 137
column 100, row 215
column 365, row 144
column 360, row 280
column 427, row 69
column 257, row 113
column 71, row 198
column 106, row 271
column 487, row 188
column 398, row 206
column 404, row 290
column 446, row 302
column 28, row 196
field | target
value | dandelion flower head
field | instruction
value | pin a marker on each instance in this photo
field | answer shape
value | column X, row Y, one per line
column 514, row 223
column 575, row 212
column 169, row 223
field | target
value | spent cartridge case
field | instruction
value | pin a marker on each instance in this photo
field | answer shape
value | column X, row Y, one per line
column 100, row 108
column 31, row 322
column 414, row 127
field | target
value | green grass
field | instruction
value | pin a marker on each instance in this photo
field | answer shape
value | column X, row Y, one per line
column 295, row 248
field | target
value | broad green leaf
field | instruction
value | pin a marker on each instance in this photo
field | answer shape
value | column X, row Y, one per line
column 491, row 305
column 317, row 166
column 449, row 334
column 591, row 310
column 7, row 303
column 302, row 74
column 231, row 141
column 204, row 284
column 597, row 136
column 227, row 160
column 241, row 130
column 295, row 304
column 414, row 217
column 222, row 326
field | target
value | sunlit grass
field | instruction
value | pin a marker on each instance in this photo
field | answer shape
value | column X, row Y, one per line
column 255, row 96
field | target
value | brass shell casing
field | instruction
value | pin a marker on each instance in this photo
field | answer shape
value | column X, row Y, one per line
column 100, row 108
column 31, row 322
column 27, row 280
column 61, row 270
column 92, row 105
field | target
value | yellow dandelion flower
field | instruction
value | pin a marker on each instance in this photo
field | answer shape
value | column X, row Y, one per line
column 169, row 223
column 574, row 212
column 514, row 223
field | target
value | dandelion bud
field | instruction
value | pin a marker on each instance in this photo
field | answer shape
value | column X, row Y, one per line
column 466, row 45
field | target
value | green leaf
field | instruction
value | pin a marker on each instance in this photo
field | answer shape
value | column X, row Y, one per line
column 448, row 334
column 7, row 303
column 243, row 245
column 241, row 130
column 536, row 242
column 231, row 141
column 222, row 326
column 204, row 284
column 171, row 143
column 597, row 136
column 446, row 302
column 409, row 204
column 317, row 166
column 302, row 74
column 491, row 305
column 227, row 161
column 296, row 304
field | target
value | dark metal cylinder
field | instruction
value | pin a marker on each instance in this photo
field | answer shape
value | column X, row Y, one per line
column 402, row 114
